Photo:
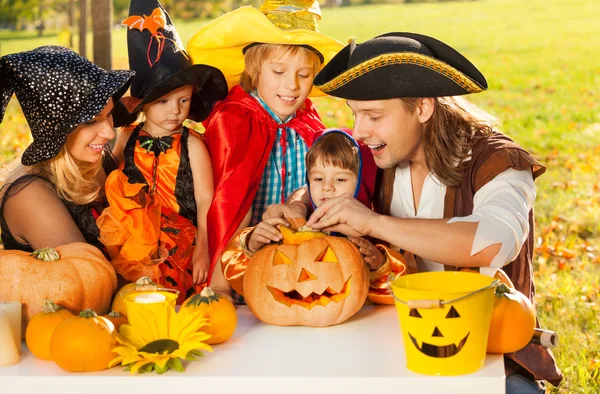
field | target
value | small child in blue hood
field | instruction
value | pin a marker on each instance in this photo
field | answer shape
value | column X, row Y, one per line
column 334, row 167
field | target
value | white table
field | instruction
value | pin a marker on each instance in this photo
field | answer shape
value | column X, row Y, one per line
column 363, row 355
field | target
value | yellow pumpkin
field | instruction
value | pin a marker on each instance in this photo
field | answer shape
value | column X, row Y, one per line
column 41, row 327
column 83, row 343
column 220, row 312
column 75, row 276
column 142, row 284
column 311, row 279
column 513, row 321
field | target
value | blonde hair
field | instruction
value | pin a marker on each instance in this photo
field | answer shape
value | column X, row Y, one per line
column 75, row 181
column 455, row 126
column 334, row 149
column 257, row 54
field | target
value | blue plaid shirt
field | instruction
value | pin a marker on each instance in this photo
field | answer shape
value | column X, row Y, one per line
column 272, row 190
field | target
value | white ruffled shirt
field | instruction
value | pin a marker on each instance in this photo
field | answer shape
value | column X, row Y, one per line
column 501, row 207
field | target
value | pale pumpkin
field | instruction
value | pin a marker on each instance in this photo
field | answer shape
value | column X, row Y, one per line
column 142, row 284
column 41, row 327
column 75, row 276
column 311, row 280
column 220, row 312
column 513, row 321
column 117, row 319
column 84, row 343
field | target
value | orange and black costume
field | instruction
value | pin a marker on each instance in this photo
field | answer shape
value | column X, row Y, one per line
column 150, row 226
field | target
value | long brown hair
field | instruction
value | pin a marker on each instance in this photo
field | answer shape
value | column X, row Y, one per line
column 455, row 126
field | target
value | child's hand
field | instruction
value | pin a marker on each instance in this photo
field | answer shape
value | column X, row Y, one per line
column 373, row 256
column 200, row 266
column 266, row 232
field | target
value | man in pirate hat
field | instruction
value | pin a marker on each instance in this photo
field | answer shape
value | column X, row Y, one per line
column 452, row 189
column 258, row 136
column 162, row 234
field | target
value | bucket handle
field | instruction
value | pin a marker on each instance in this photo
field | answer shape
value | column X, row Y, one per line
column 429, row 304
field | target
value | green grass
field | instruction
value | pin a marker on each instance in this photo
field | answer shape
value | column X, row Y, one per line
column 540, row 59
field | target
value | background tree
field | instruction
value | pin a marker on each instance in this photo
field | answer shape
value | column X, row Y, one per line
column 82, row 27
column 102, row 26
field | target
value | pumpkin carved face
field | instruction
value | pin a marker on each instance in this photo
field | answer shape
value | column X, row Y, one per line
column 309, row 280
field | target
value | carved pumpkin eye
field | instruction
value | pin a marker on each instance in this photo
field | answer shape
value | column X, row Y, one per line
column 452, row 313
column 327, row 256
column 281, row 258
column 414, row 313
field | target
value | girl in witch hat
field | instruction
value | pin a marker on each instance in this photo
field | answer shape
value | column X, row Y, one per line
column 54, row 194
column 258, row 136
column 156, row 223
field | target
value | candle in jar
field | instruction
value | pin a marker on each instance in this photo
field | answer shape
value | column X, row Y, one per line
column 12, row 311
column 9, row 354
column 150, row 298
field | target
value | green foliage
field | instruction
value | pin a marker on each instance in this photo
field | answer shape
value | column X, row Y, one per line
column 540, row 59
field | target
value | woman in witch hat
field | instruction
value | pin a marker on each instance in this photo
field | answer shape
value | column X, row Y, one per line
column 453, row 190
column 258, row 136
column 54, row 194
column 156, row 223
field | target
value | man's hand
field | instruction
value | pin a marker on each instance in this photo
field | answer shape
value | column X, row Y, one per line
column 373, row 256
column 293, row 210
column 343, row 214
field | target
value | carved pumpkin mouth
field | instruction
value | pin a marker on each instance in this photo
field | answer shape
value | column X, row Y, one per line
column 439, row 351
column 290, row 298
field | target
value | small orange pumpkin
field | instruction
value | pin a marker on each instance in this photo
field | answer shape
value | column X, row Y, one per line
column 142, row 284
column 41, row 327
column 83, row 343
column 219, row 311
column 513, row 321
column 117, row 319
column 75, row 276
column 311, row 279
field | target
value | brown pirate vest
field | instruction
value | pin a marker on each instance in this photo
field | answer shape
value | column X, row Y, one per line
column 490, row 157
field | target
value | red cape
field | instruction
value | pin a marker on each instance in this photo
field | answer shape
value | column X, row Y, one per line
column 240, row 135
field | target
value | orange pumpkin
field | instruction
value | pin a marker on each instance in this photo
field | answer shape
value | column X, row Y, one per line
column 41, row 327
column 117, row 319
column 142, row 284
column 83, row 343
column 311, row 280
column 75, row 276
column 513, row 321
column 219, row 311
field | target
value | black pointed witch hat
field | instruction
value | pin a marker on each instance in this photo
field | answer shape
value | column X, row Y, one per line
column 162, row 65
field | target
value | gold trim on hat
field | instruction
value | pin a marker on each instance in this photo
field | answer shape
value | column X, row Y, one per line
column 390, row 59
column 293, row 14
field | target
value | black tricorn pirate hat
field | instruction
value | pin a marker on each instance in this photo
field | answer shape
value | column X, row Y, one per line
column 397, row 65
column 162, row 65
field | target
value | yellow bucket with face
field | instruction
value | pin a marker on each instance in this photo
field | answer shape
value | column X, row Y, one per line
column 444, row 318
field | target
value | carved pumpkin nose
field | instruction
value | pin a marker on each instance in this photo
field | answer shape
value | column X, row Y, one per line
column 437, row 333
column 306, row 276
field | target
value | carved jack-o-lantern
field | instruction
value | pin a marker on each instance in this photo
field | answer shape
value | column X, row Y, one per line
column 310, row 280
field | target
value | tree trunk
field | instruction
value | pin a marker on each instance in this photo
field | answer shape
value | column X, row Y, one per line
column 82, row 27
column 71, row 22
column 101, row 27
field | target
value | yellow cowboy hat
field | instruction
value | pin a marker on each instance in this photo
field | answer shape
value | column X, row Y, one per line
column 221, row 43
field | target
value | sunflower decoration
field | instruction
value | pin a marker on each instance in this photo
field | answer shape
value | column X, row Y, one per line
column 158, row 339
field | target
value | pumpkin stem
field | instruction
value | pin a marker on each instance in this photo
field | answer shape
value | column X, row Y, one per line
column 502, row 288
column 87, row 313
column 145, row 283
column 50, row 307
column 114, row 314
column 207, row 292
column 46, row 254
